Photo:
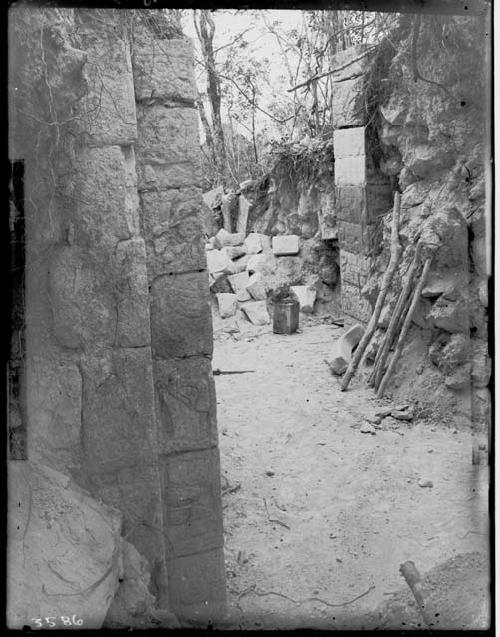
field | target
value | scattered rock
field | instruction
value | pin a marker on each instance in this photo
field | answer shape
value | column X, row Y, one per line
column 460, row 378
column 368, row 428
column 228, row 304
column 256, row 312
column 257, row 263
column 253, row 243
column 233, row 252
column 218, row 261
column 425, row 483
column 227, row 239
column 213, row 198
column 238, row 283
column 285, row 245
column 341, row 351
column 256, row 286
column 306, row 296
column 384, row 411
column 240, row 264
column 375, row 420
column 402, row 415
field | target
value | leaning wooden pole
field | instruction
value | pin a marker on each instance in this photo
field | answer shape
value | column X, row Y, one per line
column 386, row 282
column 405, row 328
column 383, row 352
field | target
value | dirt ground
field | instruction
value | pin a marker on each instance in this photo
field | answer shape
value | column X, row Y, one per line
column 318, row 516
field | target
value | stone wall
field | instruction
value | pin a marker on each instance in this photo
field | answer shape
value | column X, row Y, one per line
column 119, row 389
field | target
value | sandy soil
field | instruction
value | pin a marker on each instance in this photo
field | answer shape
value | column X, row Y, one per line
column 318, row 516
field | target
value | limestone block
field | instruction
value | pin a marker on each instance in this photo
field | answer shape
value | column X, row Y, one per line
column 192, row 502
column 239, row 282
column 54, row 405
column 106, row 204
column 63, row 552
column 350, row 171
column 243, row 209
column 219, row 283
column 81, row 301
column 348, row 103
column 306, row 296
column 353, row 303
column 173, row 229
column 132, row 326
column 379, row 200
column 108, row 107
column 256, row 312
column 233, row 252
column 356, row 238
column 197, row 586
column 340, row 354
column 481, row 363
column 181, row 321
column 167, row 135
column 354, row 268
column 116, row 406
column 227, row 303
column 256, row 242
column 349, row 142
column 154, row 175
column 218, row 261
column 224, row 238
column 163, row 69
column 257, row 287
column 185, row 396
column 351, row 204
column 285, row 245
column 213, row 198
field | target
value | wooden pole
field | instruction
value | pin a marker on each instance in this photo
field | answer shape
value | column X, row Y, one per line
column 382, row 354
column 409, row 571
column 386, row 282
column 405, row 328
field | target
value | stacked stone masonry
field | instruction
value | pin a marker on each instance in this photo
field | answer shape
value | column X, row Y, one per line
column 120, row 393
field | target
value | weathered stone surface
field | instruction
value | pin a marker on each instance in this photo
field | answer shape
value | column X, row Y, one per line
column 173, row 229
column 379, row 200
column 256, row 312
column 63, row 553
column 351, row 204
column 161, row 176
column 106, row 208
column 163, row 69
column 306, row 296
column 349, row 142
column 218, row 261
column 243, row 209
column 82, row 305
column 219, row 283
column 228, row 304
column 348, row 103
column 354, row 268
column 257, row 287
column 213, row 198
column 225, row 239
column 285, row 245
column 441, row 282
column 481, row 407
column 450, row 315
column 356, row 238
column 116, row 406
column 197, row 586
column 260, row 262
column 181, row 322
column 185, row 398
column 460, row 378
column 256, row 242
column 108, row 107
column 355, row 305
column 193, row 514
column 132, row 307
column 481, row 363
column 240, row 264
column 340, row 354
column 239, row 284
column 448, row 352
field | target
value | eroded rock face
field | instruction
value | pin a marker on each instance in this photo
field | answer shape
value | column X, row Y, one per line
column 64, row 550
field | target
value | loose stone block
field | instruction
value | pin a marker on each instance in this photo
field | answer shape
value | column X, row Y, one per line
column 218, row 261
column 340, row 354
column 240, row 264
column 62, row 549
column 353, row 304
column 285, row 245
column 225, row 239
column 239, row 282
column 261, row 263
column 163, row 69
column 253, row 244
column 197, row 586
column 349, row 142
column 256, row 286
column 193, row 513
column 181, row 321
column 219, row 283
column 115, row 406
column 227, row 303
column 306, row 296
column 233, row 253
column 350, row 171
column 186, row 405
column 256, row 312
column 173, row 230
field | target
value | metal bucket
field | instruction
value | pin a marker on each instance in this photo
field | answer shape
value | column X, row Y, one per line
column 286, row 316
